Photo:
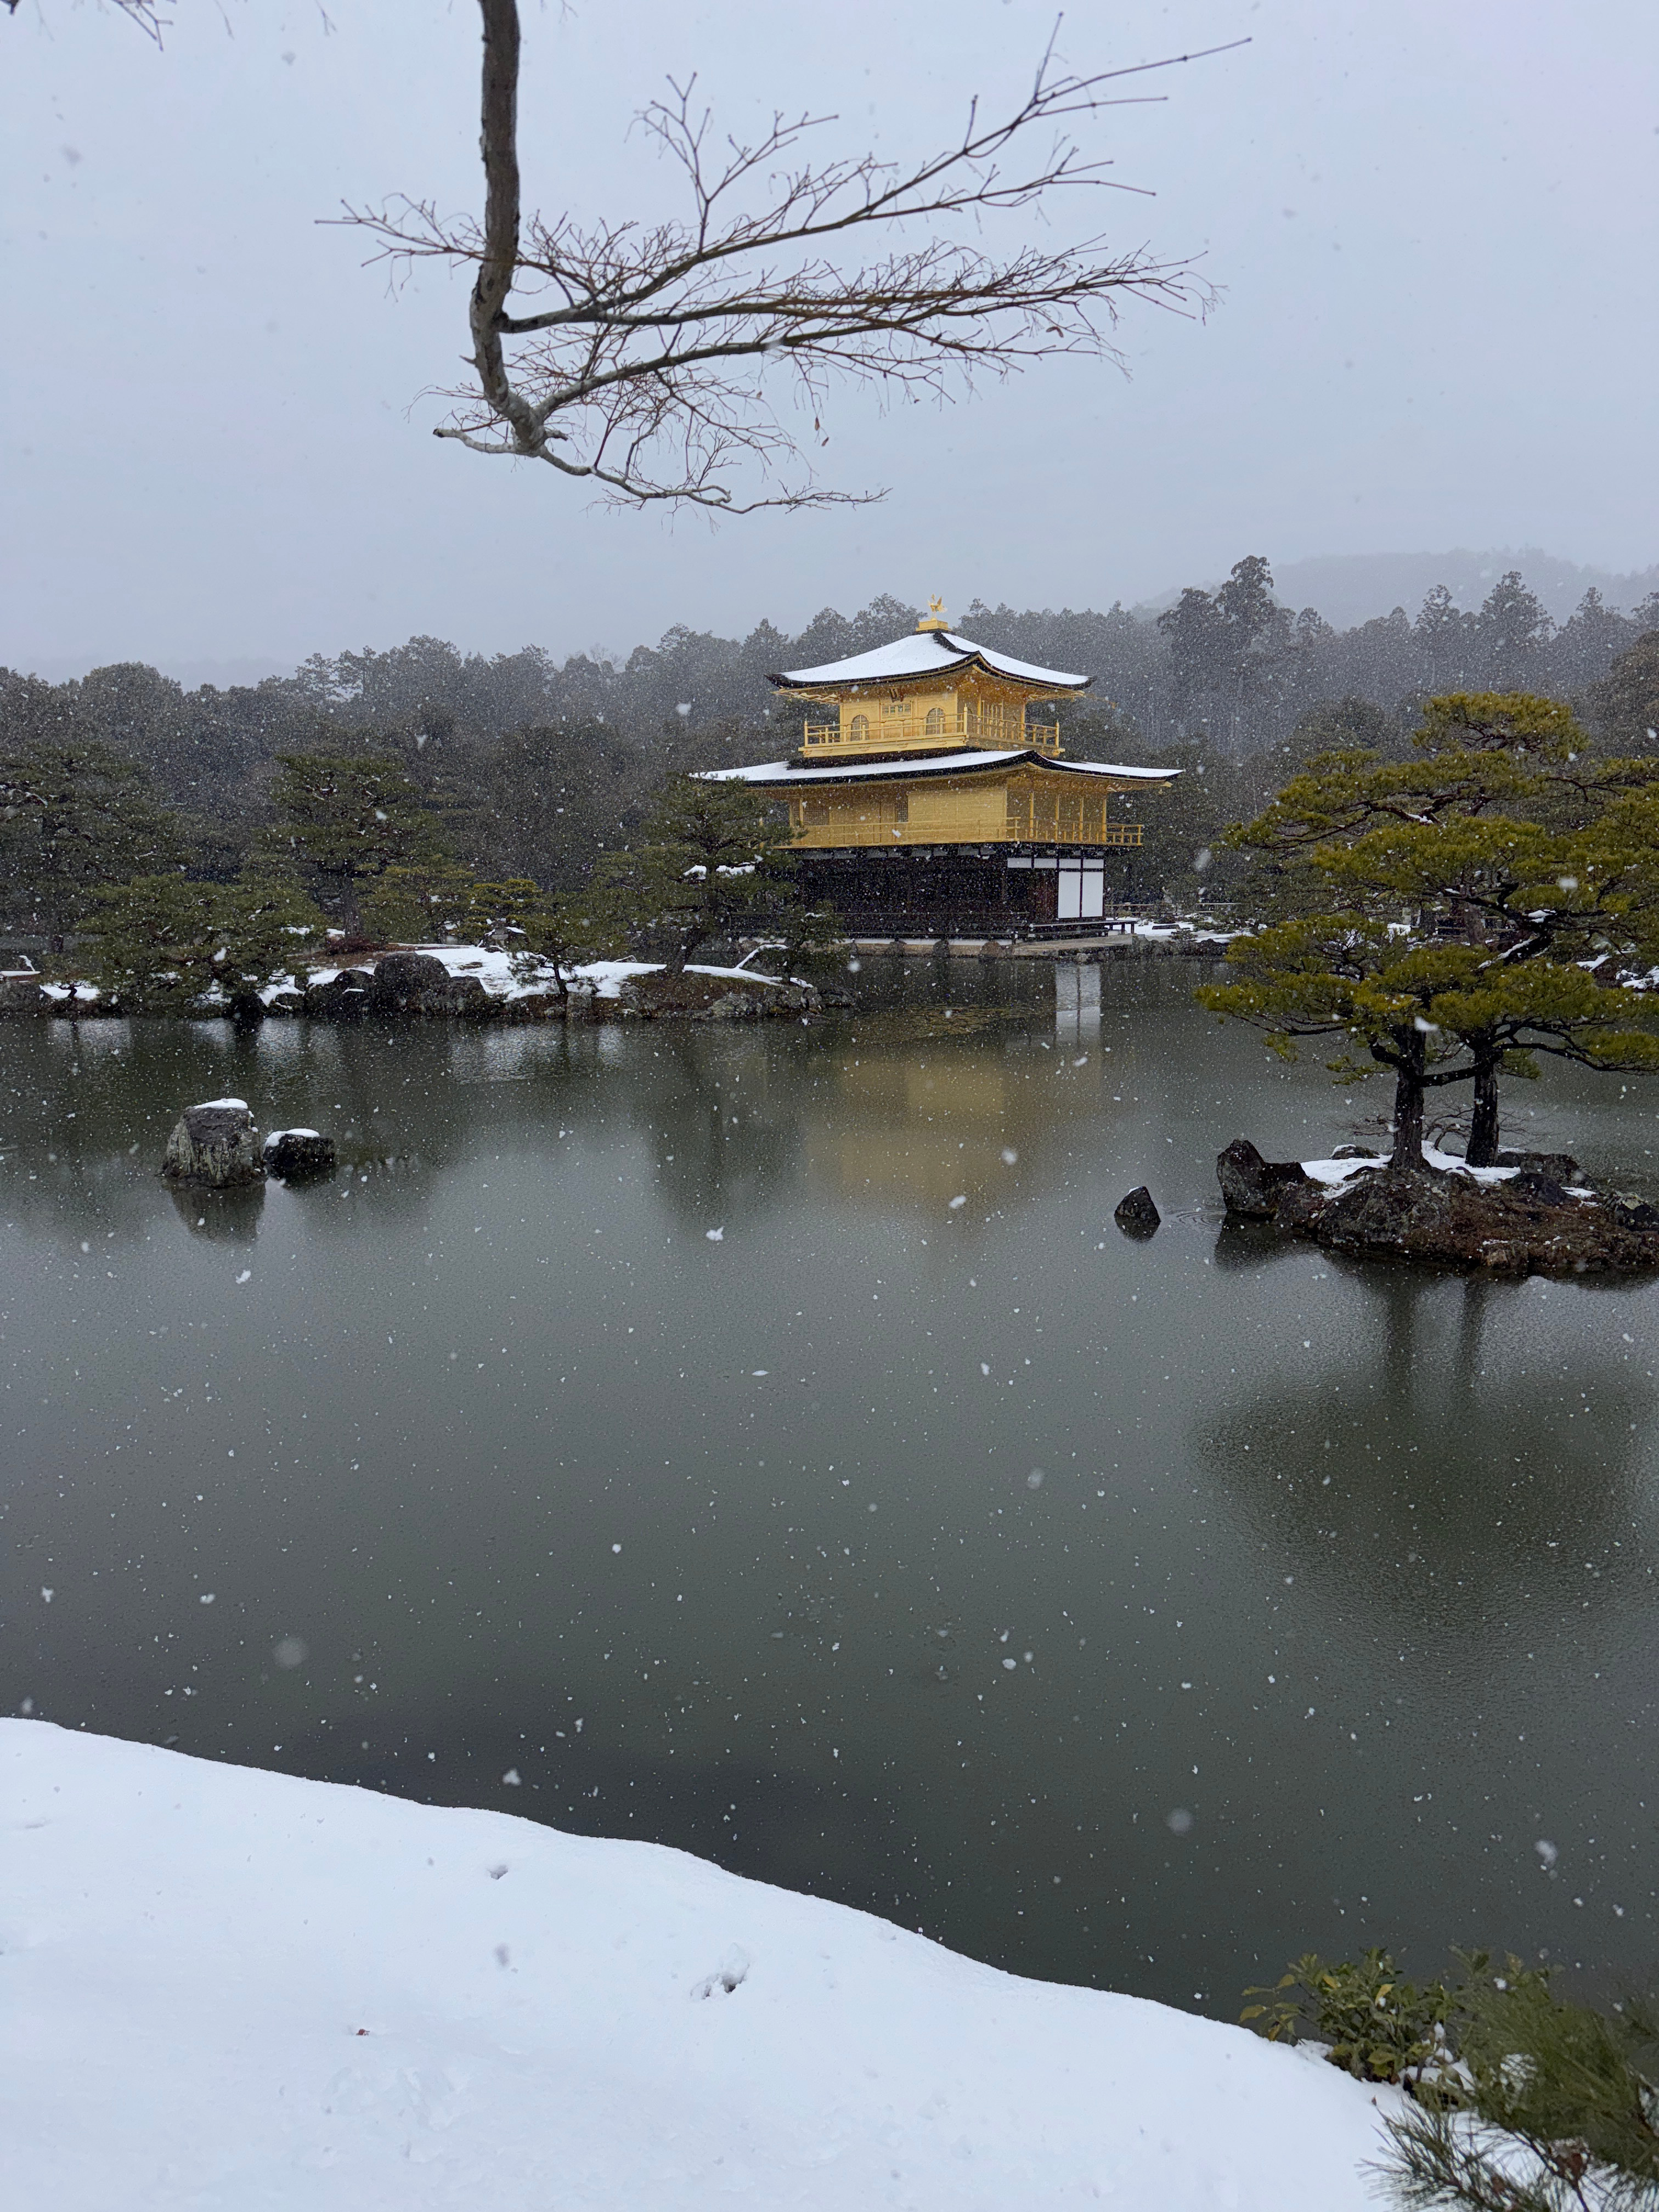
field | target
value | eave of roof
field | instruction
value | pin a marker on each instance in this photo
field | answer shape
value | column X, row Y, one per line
column 924, row 654
column 784, row 775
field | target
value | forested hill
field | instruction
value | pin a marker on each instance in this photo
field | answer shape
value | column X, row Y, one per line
column 535, row 763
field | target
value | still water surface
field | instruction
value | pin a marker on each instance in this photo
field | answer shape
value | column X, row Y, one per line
column 764, row 1442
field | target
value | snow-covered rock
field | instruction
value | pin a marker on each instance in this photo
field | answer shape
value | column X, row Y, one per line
column 223, row 1989
column 215, row 1144
column 294, row 1154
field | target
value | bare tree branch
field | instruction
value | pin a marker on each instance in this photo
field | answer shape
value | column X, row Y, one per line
column 145, row 12
column 648, row 370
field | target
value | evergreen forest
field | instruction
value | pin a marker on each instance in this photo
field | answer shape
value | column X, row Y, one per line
column 532, row 767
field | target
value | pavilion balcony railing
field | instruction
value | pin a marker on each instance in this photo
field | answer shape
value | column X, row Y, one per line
column 884, row 737
column 1021, row 830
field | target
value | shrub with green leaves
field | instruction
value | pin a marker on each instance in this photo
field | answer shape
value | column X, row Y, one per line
column 1376, row 2025
column 1522, row 2102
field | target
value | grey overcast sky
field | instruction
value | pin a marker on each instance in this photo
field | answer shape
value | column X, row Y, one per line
column 1433, row 223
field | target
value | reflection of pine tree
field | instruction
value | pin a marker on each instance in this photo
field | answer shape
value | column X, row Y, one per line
column 1419, row 1478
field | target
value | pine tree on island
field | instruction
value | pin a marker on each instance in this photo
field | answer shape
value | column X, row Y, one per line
column 711, row 861
column 1456, row 915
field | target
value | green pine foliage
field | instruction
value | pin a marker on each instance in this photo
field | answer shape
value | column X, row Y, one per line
column 416, row 904
column 1625, row 704
column 74, row 817
column 1556, row 2107
column 1521, row 2101
column 1453, row 915
column 711, row 861
column 448, row 904
column 346, row 818
column 166, row 945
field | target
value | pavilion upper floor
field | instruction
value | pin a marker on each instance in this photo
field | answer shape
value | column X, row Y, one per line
column 930, row 692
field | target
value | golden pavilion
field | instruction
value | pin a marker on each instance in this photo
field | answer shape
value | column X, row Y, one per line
column 930, row 794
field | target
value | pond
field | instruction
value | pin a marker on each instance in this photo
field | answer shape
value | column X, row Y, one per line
column 762, row 1442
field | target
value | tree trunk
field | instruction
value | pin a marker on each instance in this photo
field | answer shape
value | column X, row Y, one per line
column 1482, row 1148
column 1408, row 1104
column 351, row 920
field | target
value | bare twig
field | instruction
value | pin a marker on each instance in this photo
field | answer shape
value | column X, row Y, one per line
column 646, row 372
column 145, row 12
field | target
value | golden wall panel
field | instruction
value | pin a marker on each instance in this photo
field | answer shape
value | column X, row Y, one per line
column 1029, row 807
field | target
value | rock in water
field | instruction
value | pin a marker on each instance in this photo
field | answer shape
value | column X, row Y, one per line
column 1136, row 1215
column 1251, row 1185
column 215, row 1144
column 296, row 1155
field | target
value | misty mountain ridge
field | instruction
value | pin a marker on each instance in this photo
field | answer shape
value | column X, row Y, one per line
column 1350, row 588
column 1347, row 589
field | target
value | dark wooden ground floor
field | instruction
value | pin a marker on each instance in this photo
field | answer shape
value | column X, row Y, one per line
column 971, row 891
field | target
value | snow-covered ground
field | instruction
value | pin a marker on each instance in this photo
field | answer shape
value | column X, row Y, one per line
column 1333, row 1173
column 608, row 976
column 225, row 1990
column 517, row 974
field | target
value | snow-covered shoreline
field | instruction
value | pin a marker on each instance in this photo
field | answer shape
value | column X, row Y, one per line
column 226, row 1988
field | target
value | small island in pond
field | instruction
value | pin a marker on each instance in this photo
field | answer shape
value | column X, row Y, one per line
column 1531, row 1213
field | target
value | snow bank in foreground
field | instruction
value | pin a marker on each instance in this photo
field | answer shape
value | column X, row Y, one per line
column 223, row 1989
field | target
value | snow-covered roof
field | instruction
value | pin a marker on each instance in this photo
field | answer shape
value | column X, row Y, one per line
column 781, row 774
column 926, row 652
